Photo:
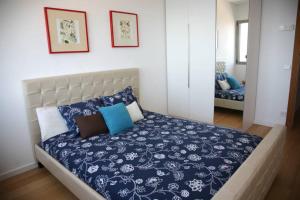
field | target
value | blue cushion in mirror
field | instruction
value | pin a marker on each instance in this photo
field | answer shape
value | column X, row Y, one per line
column 233, row 82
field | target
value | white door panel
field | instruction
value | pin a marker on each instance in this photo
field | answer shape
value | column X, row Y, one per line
column 202, row 20
column 177, row 57
column 190, row 27
column 252, row 62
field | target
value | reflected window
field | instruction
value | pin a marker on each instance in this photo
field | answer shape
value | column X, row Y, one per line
column 242, row 42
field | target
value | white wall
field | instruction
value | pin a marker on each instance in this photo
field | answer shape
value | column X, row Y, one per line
column 226, row 34
column 24, row 55
column 276, row 51
column 255, row 13
column 241, row 12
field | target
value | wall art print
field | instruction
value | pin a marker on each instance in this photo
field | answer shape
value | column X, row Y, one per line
column 66, row 30
column 124, row 29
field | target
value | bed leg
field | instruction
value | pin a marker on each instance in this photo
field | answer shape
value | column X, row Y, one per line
column 40, row 165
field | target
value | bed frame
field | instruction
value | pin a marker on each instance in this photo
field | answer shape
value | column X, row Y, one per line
column 227, row 103
column 250, row 182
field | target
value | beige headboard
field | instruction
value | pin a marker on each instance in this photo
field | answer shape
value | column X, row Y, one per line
column 67, row 89
column 220, row 67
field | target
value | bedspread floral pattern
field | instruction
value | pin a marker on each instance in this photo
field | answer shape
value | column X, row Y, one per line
column 235, row 95
column 85, row 108
column 160, row 158
column 125, row 96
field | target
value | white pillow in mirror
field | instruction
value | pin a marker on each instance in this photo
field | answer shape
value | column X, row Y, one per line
column 224, row 84
column 51, row 122
column 135, row 112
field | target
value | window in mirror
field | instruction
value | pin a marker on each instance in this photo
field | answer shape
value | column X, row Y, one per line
column 242, row 42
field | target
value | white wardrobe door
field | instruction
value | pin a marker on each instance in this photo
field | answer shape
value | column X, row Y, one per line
column 202, row 19
column 177, row 57
column 255, row 13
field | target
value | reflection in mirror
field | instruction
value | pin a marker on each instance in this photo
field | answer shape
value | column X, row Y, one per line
column 241, row 41
column 231, row 61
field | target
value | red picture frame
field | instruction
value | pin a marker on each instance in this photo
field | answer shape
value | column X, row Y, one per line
column 50, row 35
column 114, row 43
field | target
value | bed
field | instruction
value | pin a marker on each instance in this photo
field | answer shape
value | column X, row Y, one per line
column 251, row 166
column 232, row 99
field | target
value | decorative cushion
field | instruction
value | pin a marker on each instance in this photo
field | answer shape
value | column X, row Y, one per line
column 91, row 125
column 51, row 122
column 85, row 108
column 217, row 86
column 233, row 82
column 224, row 84
column 219, row 76
column 134, row 112
column 125, row 96
column 116, row 118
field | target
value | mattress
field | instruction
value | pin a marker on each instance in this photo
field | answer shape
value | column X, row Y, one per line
column 161, row 157
column 235, row 95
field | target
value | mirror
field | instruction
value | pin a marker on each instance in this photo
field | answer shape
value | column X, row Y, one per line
column 231, row 61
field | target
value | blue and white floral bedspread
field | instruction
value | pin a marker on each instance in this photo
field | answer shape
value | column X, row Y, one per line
column 160, row 158
column 235, row 95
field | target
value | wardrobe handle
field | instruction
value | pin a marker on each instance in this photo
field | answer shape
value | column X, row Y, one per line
column 189, row 56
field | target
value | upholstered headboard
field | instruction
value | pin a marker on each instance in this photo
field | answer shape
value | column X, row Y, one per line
column 220, row 67
column 67, row 89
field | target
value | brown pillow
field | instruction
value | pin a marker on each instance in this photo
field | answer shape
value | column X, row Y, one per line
column 91, row 125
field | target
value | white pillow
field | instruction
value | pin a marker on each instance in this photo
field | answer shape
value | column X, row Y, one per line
column 135, row 112
column 51, row 122
column 224, row 84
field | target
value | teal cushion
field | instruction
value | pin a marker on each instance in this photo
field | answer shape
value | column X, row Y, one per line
column 116, row 118
column 233, row 82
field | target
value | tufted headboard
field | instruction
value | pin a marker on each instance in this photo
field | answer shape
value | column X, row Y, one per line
column 220, row 67
column 67, row 89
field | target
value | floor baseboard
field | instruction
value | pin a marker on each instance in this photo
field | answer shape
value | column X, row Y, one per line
column 18, row 170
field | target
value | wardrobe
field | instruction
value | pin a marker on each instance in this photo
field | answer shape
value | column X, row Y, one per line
column 191, row 46
column 190, row 33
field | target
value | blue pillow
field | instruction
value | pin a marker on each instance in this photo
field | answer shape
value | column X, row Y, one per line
column 233, row 82
column 85, row 108
column 125, row 96
column 116, row 118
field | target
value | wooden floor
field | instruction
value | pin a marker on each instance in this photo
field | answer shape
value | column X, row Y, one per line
column 234, row 119
column 228, row 118
column 39, row 184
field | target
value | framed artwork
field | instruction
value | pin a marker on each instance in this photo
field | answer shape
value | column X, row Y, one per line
column 66, row 30
column 124, row 29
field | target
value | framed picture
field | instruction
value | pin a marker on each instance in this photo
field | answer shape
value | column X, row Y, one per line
column 124, row 29
column 66, row 30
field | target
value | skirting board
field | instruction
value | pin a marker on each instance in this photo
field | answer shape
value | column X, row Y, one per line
column 18, row 170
